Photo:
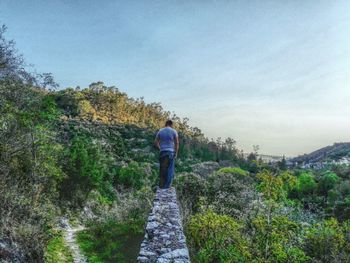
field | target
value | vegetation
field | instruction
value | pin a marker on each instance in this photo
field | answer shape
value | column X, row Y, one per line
column 87, row 153
column 58, row 251
column 112, row 241
column 233, row 170
column 283, row 216
column 217, row 238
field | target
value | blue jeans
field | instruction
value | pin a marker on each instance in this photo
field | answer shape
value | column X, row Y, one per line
column 166, row 168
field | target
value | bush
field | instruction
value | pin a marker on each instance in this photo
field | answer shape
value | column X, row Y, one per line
column 306, row 183
column 276, row 240
column 133, row 175
column 325, row 241
column 271, row 186
column 327, row 182
column 88, row 167
column 229, row 194
column 216, row 238
column 234, row 170
column 191, row 190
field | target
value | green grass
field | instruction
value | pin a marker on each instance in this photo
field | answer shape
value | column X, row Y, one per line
column 112, row 241
column 57, row 251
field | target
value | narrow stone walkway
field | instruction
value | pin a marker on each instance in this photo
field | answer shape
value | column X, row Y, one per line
column 164, row 241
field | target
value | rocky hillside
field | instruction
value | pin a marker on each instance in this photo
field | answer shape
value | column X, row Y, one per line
column 334, row 152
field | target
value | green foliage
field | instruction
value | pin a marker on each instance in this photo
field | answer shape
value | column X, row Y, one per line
column 271, row 186
column 112, row 241
column 57, row 251
column 226, row 150
column 342, row 171
column 86, row 111
column 274, row 240
column 88, row 168
column 327, row 182
column 230, row 194
column 29, row 165
column 325, row 241
column 234, row 170
column 216, row 238
column 84, row 161
column 275, row 237
column 133, row 175
column 191, row 190
column 49, row 110
column 306, row 183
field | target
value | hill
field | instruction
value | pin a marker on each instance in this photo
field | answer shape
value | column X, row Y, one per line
column 333, row 153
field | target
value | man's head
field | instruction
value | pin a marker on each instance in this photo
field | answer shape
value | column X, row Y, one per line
column 169, row 123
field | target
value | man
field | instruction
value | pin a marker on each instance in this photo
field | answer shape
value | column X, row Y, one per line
column 167, row 141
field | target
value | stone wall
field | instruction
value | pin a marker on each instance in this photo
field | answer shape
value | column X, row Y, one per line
column 164, row 241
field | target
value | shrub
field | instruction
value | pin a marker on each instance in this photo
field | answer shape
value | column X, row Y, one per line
column 216, row 238
column 88, row 167
column 271, row 186
column 306, row 183
column 327, row 182
column 234, row 170
column 191, row 190
column 275, row 240
column 229, row 194
column 325, row 241
column 132, row 176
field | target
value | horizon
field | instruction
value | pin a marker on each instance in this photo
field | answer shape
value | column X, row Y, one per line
column 269, row 74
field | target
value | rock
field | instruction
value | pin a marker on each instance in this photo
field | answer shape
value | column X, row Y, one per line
column 147, row 253
column 10, row 252
column 142, row 259
column 151, row 225
column 163, row 260
column 177, row 253
column 87, row 212
column 164, row 240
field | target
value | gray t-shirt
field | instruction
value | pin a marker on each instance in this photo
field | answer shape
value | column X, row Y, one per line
column 167, row 137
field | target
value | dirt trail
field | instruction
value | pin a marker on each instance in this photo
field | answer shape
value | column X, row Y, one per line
column 70, row 238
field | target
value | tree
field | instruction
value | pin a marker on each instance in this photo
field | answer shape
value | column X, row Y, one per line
column 282, row 164
column 306, row 184
column 325, row 241
column 269, row 230
column 327, row 182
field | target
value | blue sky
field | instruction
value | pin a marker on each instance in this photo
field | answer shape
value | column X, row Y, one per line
column 268, row 73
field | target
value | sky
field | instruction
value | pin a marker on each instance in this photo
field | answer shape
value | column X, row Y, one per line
column 269, row 73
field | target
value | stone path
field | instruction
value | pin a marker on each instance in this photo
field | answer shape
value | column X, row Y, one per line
column 164, row 241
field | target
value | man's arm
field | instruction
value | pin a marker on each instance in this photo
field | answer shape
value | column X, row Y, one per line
column 156, row 141
column 177, row 143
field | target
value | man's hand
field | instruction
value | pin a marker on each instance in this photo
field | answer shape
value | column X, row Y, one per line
column 156, row 142
column 176, row 146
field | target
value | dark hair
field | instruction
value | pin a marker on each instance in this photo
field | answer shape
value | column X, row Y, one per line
column 169, row 123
